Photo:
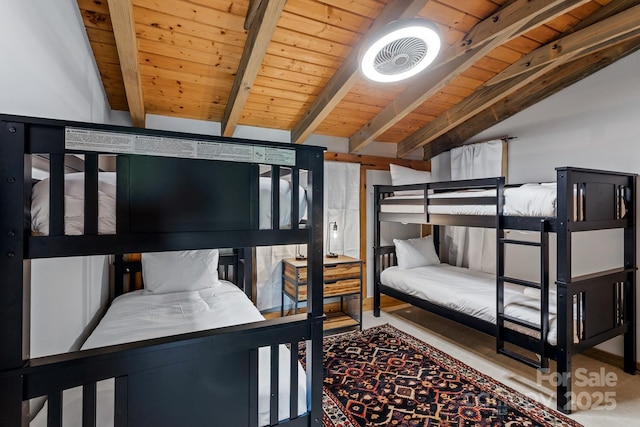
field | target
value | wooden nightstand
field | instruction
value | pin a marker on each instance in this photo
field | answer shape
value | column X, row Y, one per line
column 342, row 289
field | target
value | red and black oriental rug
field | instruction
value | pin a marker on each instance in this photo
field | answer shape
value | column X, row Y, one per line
column 385, row 377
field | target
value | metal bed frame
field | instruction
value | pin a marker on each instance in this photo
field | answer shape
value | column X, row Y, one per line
column 605, row 301
column 225, row 359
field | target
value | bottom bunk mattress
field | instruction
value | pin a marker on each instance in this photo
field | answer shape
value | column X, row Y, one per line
column 142, row 315
column 470, row 292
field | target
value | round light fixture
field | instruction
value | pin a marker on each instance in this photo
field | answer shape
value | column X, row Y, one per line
column 400, row 50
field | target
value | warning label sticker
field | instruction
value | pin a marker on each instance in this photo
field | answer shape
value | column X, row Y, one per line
column 124, row 143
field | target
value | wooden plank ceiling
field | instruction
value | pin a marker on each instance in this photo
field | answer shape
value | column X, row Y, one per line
column 292, row 64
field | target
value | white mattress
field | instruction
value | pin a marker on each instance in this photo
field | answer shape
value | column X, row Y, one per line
column 469, row 292
column 525, row 200
column 74, row 204
column 139, row 315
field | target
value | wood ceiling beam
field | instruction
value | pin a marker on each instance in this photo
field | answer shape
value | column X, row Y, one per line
column 252, row 11
column 575, row 42
column 604, row 12
column 508, row 23
column 488, row 95
column 466, row 109
column 121, row 13
column 262, row 28
column 348, row 74
column 545, row 86
column 376, row 162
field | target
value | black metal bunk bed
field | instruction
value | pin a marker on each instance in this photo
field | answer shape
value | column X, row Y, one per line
column 602, row 304
column 150, row 219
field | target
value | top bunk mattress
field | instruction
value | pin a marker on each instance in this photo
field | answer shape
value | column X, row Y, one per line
column 74, row 204
column 537, row 200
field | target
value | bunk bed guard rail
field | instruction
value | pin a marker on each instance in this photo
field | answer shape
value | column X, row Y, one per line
column 165, row 228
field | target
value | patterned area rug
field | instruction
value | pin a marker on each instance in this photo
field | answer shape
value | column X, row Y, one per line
column 385, row 377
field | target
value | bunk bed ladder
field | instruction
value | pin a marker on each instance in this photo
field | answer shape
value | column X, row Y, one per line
column 543, row 327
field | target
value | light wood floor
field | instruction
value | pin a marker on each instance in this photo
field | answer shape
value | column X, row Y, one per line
column 617, row 392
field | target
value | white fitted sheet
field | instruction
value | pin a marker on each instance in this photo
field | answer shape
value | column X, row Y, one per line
column 140, row 315
column 74, row 204
column 525, row 200
column 469, row 292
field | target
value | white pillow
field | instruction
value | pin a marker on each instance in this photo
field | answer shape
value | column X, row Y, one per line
column 164, row 272
column 401, row 175
column 74, row 204
column 418, row 252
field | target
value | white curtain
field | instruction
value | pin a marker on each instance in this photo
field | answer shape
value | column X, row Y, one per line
column 474, row 247
column 472, row 161
column 342, row 205
column 269, row 275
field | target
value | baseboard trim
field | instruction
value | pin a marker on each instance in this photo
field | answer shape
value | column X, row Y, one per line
column 607, row 357
column 385, row 302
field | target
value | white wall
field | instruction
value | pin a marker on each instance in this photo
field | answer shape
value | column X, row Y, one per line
column 593, row 124
column 47, row 70
column 68, row 294
column 47, row 66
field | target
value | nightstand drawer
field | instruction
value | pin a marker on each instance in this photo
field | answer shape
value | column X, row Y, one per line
column 331, row 272
column 341, row 271
column 342, row 287
column 295, row 274
column 337, row 288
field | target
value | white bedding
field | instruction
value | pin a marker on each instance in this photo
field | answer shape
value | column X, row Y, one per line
column 141, row 315
column 74, row 204
column 525, row 200
column 469, row 292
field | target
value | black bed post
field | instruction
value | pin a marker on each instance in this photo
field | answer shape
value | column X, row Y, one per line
column 376, row 254
column 118, row 280
column 246, row 271
column 435, row 231
column 314, row 298
column 565, row 298
column 15, row 177
column 499, row 331
column 630, row 354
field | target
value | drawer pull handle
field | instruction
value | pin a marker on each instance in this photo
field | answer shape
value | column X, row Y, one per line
column 330, row 265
